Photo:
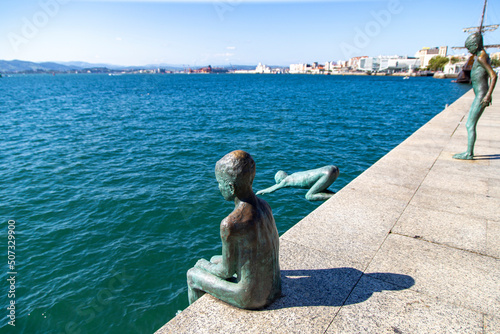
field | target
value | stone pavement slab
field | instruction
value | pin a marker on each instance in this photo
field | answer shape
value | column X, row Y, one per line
column 453, row 275
column 454, row 230
column 410, row 246
column 404, row 311
column 491, row 324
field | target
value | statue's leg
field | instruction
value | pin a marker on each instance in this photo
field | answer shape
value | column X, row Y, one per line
column 471, row 127
column 232, row 293
column 475, row 113
column 193, row 293
column 318, row 191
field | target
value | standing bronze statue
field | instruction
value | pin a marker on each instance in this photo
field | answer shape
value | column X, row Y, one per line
column 316, row 180
column 247, row 274
column 481, row 73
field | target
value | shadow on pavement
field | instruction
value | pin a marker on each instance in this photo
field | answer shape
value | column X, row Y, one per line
column 331, row 287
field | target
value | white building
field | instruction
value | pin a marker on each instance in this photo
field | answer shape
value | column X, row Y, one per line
column 333, row 67
column 353, row 63
column 369, row 64
column 426, row 54
column 300, row 68
column 263, row 69
column 453, row 68
column 388, row 64
column 260, row 69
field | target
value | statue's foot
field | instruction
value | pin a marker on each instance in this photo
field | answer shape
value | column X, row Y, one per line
column 319, row 196
column 463, row 156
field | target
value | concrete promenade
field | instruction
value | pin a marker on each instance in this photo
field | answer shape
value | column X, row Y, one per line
column 410, row 246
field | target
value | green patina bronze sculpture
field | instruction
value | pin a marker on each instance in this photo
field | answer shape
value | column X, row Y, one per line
column 247, row 274
column 480, row 73
column 316, row 180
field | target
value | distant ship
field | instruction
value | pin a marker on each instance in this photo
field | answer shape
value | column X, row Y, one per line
column 464, row 75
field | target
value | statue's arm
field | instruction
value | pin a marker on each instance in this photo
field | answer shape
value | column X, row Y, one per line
column 280, row 185
column 483, row 60
column 223, row 266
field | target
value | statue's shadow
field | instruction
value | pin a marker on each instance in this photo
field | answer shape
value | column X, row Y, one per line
column 332, row 287
column 487, row 157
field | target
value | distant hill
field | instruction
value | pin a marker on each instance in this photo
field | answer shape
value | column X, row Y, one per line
column 21, row 66
column 82, row 64
column 13, row 66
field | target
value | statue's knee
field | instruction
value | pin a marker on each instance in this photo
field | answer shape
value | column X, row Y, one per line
column 246, row 301
column 470, row 126
column 190, row 274
column 333, row 171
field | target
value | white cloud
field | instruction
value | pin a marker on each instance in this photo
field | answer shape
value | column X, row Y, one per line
column 231, row 47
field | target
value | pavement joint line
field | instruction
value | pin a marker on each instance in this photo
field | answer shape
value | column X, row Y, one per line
column 343, row 303
column 458, row 125
column 444, row 245
column 404, row 210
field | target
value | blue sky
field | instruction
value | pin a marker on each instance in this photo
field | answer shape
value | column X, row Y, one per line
column 220, row 32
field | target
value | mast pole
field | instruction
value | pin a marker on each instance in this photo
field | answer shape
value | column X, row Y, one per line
column 482, row 17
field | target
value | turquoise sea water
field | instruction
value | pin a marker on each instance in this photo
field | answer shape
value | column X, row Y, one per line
column 110, row 180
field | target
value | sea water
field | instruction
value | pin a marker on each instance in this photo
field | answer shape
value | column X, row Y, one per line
column 109, row 180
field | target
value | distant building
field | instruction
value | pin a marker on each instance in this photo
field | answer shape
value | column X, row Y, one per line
column 426, row 54
column 300, row 68
column 262, row 69
column 389, row 64
column 453, row 68
column 333, row 67
column 315, row 68
column 353, row 63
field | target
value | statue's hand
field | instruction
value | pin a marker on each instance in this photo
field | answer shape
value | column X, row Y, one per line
column 262, row 192
column 486, row 100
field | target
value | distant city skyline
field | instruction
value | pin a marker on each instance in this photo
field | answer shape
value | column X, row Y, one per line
column 223, row 32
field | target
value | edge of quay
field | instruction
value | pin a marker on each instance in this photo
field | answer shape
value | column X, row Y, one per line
column 410, row 245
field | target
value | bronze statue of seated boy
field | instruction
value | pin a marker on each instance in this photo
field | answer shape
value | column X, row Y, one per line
column 247, row 274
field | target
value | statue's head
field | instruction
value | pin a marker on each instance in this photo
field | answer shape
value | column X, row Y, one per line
column 235, row 173
column 280, row 176
column 474, row 42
